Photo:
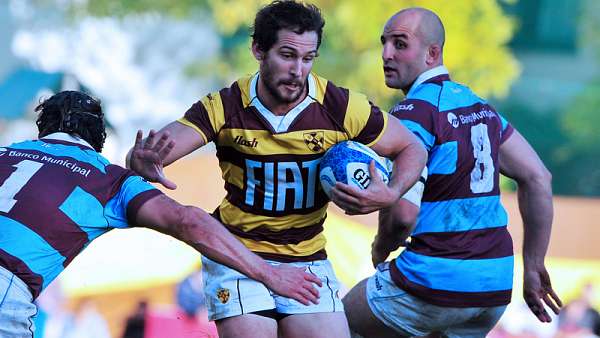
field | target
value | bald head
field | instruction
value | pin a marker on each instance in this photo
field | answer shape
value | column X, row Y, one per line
column 427, row 25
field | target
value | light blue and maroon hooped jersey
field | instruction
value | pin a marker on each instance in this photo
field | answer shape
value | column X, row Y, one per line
column 461, row 253
column 57, row 195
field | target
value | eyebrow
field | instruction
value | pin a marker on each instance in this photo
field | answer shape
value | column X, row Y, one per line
column 397, row 35
column 294, row 50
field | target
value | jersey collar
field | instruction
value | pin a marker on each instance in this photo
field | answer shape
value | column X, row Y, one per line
column 59, row 136
column 426, row 75
column 283, row 122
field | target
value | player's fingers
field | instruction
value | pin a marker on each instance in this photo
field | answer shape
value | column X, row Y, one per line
column 165, row 151
column 166, row 182
column 538, row 309
column 348, row 189
column 551, row 304
column 310, row 296
column 138, row 139
column 338, row 195
column 375, row 178
column 150, row 139
column 162, row 141
column 313, row 279
column 555, row 298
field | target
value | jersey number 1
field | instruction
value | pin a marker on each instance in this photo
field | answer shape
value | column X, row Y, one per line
column 15, row 182
column 482, row 176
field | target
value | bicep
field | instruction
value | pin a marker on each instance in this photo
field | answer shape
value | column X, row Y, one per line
column 395, row 138
column 518, row 160
column 186, row 138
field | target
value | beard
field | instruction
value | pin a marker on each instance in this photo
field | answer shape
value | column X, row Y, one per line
column 273, row 86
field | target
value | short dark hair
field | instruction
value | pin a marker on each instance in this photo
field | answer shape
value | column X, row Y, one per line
column 295, row 16
column 74, row 113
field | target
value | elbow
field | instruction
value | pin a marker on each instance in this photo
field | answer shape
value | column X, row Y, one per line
column 190, row 223
column 540, row 177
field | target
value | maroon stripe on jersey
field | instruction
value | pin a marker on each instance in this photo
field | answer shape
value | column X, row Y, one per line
column 439, row 79
column 136, row 203
column 472, row 244
column 21, row 270
column 373, row 128
column 449, row 298
column 229, row 154
column 317, row 256
column 335, row 102
column 237, row 197
column 509, row 130
column 232, row 100
column 288, row 236
column 316, row 116
column 446, row 187
column 198, row 115
column 418, row 111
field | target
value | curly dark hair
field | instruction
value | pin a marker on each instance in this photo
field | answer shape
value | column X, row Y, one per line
column 74, row 113
column 295, row 16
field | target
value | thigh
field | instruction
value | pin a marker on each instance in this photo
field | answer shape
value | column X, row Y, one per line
column 314, row 325
column 16, row 310
column 240, row 326
column 229, row 293
column 479, row 325
column 360, row 317
column 329, row 300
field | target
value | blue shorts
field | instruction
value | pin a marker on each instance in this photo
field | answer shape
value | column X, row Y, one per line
column 16, row 307
column 410, row 316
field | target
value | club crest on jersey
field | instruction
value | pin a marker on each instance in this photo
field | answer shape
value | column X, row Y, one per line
column 223, row 295
column 315, row 140
column 453, row 120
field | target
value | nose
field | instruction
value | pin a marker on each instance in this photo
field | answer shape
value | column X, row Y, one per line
column 387, row 52
column 296, row 68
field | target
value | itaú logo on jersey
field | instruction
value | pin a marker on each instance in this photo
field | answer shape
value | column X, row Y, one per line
column 453, row 120
column 245, row 142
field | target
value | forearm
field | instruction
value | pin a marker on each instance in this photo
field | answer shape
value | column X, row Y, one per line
column 209, row 237
column 396, row 224
column 408, row 165
column 535, row 205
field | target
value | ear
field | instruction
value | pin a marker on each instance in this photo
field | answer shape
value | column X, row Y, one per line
column 434, row 55
column 258, row 54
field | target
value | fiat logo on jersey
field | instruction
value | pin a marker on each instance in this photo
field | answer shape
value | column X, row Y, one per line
column 453, row 120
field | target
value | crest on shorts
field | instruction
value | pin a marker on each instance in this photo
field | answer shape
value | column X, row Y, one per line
column 223, row 295
column 314, row 140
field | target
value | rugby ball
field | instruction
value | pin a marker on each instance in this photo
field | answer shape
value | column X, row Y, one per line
column 348, row 162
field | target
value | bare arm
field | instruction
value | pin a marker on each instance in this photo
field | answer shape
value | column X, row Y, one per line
column 409, row 157
column 519, row 161
column 396, row 223
column 149, row 156
column 205, row 234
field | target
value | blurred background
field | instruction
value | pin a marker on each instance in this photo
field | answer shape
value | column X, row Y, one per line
column 537, row 61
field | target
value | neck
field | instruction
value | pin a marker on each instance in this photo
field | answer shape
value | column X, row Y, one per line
column 272, row 103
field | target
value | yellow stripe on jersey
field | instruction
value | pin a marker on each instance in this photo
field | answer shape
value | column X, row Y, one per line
column 358, row 113
column 232, row 215
column 244, row 85
column 214, row 106
column 185, row 122
column 321, row 84
column 260, row 142
column 232, row 174
column 304, row 248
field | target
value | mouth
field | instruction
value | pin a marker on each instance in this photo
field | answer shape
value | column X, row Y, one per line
column 291, row 86
column 389, row 70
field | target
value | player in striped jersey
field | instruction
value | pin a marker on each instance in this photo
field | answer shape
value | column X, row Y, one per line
column 271, row 129
column 455, row 276
column 57, row 194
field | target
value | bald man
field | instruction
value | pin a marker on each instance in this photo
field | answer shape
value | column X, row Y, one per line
column 454, row 278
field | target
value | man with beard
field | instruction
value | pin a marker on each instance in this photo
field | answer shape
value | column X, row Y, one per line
column 455, row 276
column 271, row 129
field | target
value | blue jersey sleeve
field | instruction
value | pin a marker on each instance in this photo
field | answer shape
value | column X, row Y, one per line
column 121, row 210
column 507, row 129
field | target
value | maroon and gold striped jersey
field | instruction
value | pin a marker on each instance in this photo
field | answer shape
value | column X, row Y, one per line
column 274, row 203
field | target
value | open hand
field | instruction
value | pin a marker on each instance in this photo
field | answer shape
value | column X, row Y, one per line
column 356, row 201
column 294, row 282
column 537, row 287
column 147, row 157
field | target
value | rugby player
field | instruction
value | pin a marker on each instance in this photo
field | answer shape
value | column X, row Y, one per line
column 455, row 276
column 57, row 194
column 270, row 130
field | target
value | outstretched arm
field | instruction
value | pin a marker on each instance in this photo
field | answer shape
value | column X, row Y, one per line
column 519, row 161
column 205, row 234
column 149, row 156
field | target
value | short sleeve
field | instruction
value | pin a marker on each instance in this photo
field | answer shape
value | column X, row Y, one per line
column 507, row 129
column 417, row 116
column 121, row 210
column 205, row 116
column 364, row 121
